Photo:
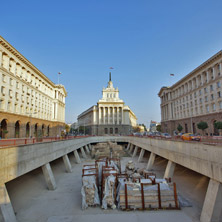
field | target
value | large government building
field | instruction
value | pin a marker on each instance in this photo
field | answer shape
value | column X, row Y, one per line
column 196, row 97
column 30, row 104
column 109, row 116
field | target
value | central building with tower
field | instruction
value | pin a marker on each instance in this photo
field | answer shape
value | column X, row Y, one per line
column 109, row 116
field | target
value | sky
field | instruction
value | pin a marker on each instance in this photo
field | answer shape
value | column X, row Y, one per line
column 143, row 40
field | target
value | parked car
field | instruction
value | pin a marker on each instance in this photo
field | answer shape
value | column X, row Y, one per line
column 166, row 135
column 190, row 136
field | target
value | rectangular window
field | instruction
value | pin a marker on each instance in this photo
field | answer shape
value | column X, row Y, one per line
column 17, row 85
column 3, row 78
column 220, row 104
column 11, row 82
column 207, row 109
column 211, row 88
column 200, row 92
column 206, row 98
column 218, row 84
column 200, row 100
column 219, row 94
column 214, row 107
column 212, row 96
column 3, row 90
column 205, row 90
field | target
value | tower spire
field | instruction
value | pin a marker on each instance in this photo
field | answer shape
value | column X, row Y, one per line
column 110, row 76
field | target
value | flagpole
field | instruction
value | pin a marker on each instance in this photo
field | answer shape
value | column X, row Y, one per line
column 58, row 76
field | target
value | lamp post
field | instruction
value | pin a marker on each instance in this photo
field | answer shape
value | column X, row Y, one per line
column 30, row 127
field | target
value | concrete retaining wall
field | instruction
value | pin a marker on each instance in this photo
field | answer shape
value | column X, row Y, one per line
column 204, row 159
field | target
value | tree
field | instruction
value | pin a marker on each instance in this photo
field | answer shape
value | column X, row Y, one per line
column 136, row 129
column 145, row 129
column 179, row 128
column 158, row 128
column 202, row 125
column 67, row 128
column 218, row 125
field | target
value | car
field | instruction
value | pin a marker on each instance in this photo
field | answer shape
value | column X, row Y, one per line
column 166, row 135
column 189, row 137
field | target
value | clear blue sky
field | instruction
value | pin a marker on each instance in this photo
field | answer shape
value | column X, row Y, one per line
column 143, row 40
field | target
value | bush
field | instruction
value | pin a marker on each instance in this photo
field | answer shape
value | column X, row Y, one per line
column 179, row 128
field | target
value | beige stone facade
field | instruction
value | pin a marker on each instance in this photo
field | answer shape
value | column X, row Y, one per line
column 30, row 104
column 196, row 97
column 109, row 116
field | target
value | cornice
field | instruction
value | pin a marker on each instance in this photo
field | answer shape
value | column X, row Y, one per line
column 17, row 54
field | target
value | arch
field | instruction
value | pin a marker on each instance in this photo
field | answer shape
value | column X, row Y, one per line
column 27, row 129
column 17, row 129
column 36, row 130
column 216, row 131
column 48, row 130
column 43, row 129
column 3, row 128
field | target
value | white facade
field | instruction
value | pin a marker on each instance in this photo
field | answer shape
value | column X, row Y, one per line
column 198, row 94
column 25, row 91
column 109, row 113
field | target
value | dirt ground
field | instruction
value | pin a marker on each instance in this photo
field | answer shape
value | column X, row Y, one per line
column 32, row 201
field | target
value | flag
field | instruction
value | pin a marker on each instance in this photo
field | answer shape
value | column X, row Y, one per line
column 171, row 74
column 111, row 68
column 59, row 73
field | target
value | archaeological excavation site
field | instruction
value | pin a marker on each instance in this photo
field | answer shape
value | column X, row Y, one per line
column 100, row 179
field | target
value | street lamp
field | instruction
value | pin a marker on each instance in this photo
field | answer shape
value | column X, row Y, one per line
column 30, row 127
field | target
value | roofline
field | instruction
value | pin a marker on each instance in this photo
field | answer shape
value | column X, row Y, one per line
column 15, row 52
column 198, row 68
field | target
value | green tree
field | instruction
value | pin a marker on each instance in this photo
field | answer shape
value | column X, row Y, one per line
column 202, row 125
column 136, row 129
column 218, row 125
column 158, row 128
column 179, row 128
column 67, row 128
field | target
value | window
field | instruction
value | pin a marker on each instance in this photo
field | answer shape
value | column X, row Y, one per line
column 219, row 94
column 3, row 90
column 218, row 84
column 213, row 107
column 207, row 108
column 16, row 96
column 190, row 96
column 10, row 93
column 17, row 85
column 211, row 88
column 220, row 104
column 195, row 94
column 3, row 78
column 11, row 82
column 206, row 99
column 212, row 96
column 205, row 90
column 200, row 100
column 200, row 92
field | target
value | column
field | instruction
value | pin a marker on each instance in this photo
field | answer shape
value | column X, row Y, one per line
column 90, row 146
column 128, row 146
column 169, row 169
column 6, row 209
column 131, row 148
column 135, row 151
column 151, row 161
column 100, row 115
column 207, row 76
column 67, row 163
column 83, row 153
column 0, row 58
column 113, row 115
column 117, row 115
column 104, row 115
column 77, row 156
column 49, row 177
column 87, row 149
column 141, row 155
column 212, row 207
column 122, row 116
column 213, row 73
column 108, row 114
